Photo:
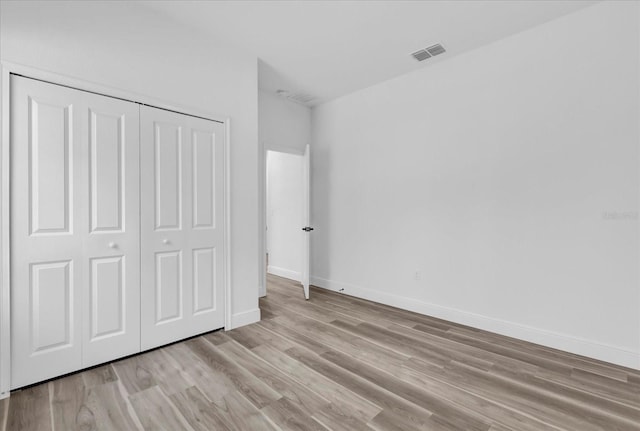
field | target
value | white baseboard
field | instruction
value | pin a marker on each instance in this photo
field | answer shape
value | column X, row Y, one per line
column 244, row 318
column 283, row 272
column 568, row 343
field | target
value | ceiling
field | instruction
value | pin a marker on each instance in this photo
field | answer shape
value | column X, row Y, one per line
column 327, row 49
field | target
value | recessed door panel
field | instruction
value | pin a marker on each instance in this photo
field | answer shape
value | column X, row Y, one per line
column 204, row 170
column 168, row 286
column 204, row 280
column 107, row 297
column 168, row 175
column 106, row 171
column 50, row 141
column 52, row 314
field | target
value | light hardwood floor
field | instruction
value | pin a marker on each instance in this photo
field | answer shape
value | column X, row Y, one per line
column 340, row 363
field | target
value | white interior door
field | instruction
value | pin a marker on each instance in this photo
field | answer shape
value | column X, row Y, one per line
column 306, row 179
column 73, row 298
column 182, row 256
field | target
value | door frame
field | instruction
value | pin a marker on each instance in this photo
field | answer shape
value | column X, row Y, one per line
column 6, row 70
column 262, row 264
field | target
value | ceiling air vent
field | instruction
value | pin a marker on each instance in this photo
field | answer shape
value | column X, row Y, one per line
column 436, row 49
column 421, row 55
column 433, row 50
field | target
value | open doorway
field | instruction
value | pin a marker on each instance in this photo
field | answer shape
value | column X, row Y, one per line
column 286, row 218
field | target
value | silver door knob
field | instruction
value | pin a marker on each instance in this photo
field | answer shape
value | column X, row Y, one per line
column 165, row 241
column 113, row 245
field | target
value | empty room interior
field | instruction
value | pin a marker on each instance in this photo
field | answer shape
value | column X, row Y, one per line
column 320, row 215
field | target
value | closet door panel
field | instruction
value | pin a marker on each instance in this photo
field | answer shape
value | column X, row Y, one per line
column 205, row 233
column 47, row 123
column 74, row 230
column 112, row 242
column 162, row 239
column 181, row 262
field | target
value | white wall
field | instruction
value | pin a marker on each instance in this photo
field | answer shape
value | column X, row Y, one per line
column 507, row 177
column 284, row 214
column 129, row 47
column 283, row 125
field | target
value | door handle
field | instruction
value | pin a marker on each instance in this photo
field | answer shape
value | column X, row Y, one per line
column 307, row 229
column 113, row 245
column 165, row 241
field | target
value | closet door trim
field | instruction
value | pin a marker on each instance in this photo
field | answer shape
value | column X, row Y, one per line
column 6, row 70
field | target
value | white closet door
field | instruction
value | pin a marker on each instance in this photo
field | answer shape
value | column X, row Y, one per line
column 182, row 226
column 74, row 299
column 47, row 224
column 111, row 299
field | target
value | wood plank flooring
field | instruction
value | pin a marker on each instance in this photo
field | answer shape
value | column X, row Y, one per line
column 337, row 363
